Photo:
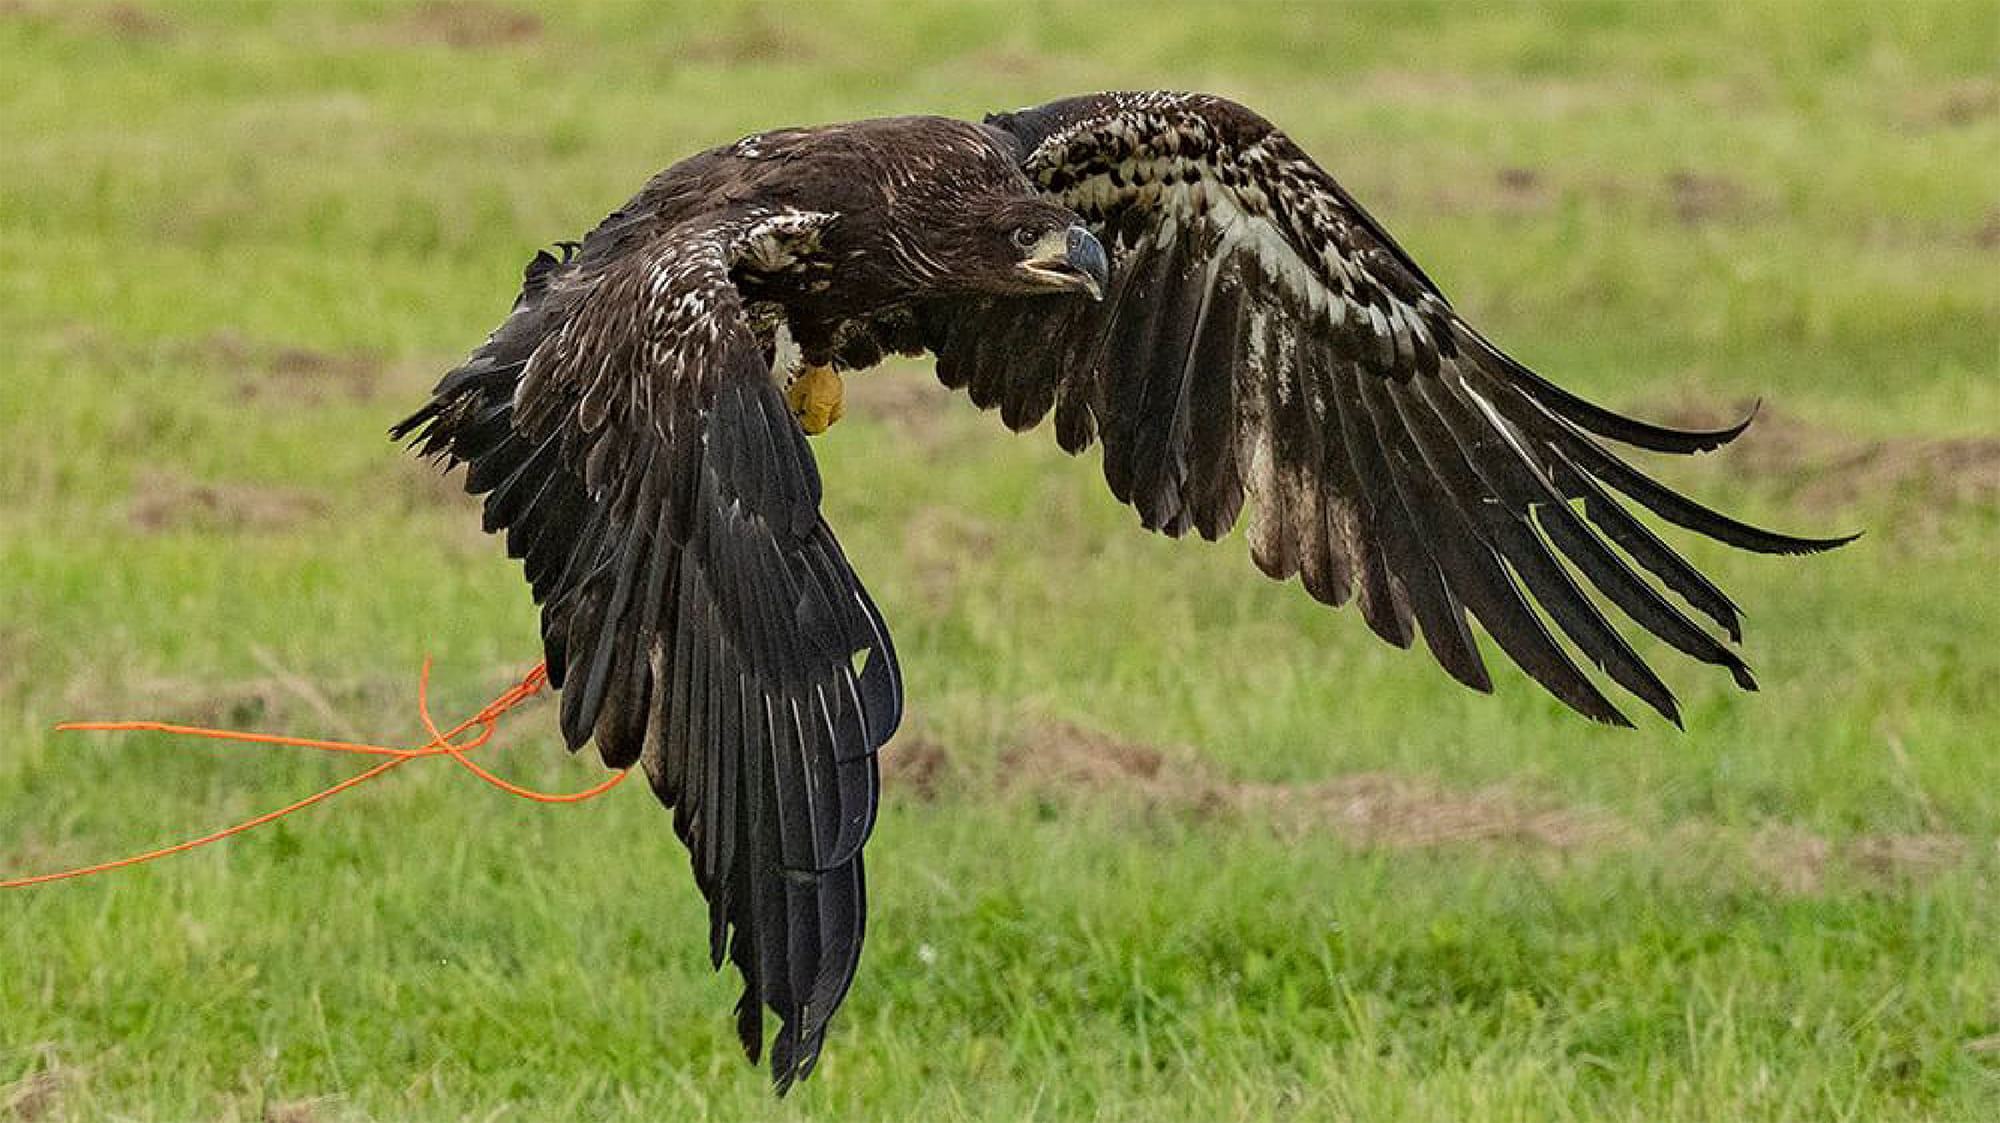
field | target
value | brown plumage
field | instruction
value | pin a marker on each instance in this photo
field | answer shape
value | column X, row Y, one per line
column 1260, row 341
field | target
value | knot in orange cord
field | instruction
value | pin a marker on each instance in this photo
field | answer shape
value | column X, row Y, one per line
column 440, row 744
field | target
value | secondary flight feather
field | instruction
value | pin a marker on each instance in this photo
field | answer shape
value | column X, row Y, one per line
column 1172, row 278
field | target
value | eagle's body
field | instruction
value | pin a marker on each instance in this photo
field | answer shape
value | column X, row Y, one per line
column 1258, row 339
column 898, row 187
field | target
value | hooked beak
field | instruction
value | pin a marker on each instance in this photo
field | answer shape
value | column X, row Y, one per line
column 1071, row 259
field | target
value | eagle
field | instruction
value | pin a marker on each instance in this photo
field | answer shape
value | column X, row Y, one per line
column 1173, row 279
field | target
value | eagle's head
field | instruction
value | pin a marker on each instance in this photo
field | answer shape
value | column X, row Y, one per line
column 1017, row 246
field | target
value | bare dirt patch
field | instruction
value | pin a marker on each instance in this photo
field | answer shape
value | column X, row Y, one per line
column 470, row 24
column 1379, row 810
column 1987, row 235
column 452, row 517
column 294, row 1111
column 1692, row 198
column 16, row 641
column 298, row 374
column 130, row 21
column 33, row 1098
column 1952, row 472
column 122, row 21
column 1800, row 862
column 1704, row 197
column 1008, row 62
column 1062, row 756
column 1366, row 809
column 1954, row 105
column 1522, row 191
column 941, row 544
column 1544, row 97
column 353, row 707
column 427, row 483
column 280, row 374
column 1511, row 191
column 287, row 374
column 162, row 502
column 917, row 766
column 914, row 403
column 758, row 35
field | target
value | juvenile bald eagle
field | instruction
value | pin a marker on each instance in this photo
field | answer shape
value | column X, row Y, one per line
column 1169, row 274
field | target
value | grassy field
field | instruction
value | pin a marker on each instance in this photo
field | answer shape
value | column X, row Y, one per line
column 1161, row 839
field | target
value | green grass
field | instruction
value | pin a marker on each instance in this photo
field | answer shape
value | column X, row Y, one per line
column 241, row 239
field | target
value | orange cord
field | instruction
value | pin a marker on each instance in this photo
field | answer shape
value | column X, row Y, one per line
column 443, row 741
column 440, row 744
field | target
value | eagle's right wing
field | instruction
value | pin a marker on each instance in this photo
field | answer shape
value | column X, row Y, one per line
column 1262, row 336
column 697, row 613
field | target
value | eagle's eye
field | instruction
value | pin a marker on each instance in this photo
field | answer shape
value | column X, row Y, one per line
column 1024, row 238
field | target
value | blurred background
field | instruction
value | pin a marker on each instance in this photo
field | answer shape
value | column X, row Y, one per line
column 1160, row 839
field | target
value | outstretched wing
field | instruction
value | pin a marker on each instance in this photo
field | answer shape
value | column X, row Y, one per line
column 696, row 611
column 1262, row 336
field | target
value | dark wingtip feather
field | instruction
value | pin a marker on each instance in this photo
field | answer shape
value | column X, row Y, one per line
column 1687, row 513
column 1672, row 712
column 1822, row 545
column 1632, row 431
column 1473, row 675
column 1595, row 418
column 1391, row 627
column 1709, row 440
column 788, row 1058
column 1756, row 409
column 750, row 1023
column 1772, row 542
column 402, row 429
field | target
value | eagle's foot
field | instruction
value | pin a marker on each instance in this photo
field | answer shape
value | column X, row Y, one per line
column 814, row 394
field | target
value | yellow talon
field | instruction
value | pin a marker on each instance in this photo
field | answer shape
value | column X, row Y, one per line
column 814, row 395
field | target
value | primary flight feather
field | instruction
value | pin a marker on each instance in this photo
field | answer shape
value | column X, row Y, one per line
column 1168, row 274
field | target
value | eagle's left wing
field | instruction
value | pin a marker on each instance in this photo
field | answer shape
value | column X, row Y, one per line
column 1262, row 336
column 697, row 613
